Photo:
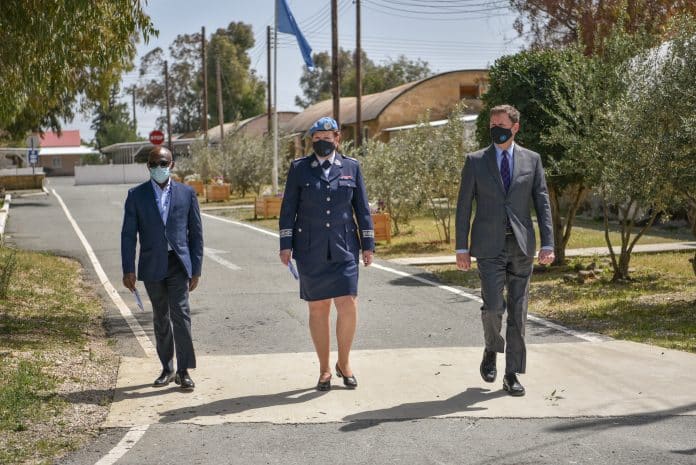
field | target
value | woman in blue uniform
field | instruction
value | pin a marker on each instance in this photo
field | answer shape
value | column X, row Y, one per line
column 324, row 192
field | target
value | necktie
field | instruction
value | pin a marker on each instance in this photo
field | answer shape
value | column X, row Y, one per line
column 326, row 164
column 505, row 170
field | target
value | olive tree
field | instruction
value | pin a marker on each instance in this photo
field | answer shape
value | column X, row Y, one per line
column 602, row 119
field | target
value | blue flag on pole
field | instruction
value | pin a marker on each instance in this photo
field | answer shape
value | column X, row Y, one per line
column 288, row 25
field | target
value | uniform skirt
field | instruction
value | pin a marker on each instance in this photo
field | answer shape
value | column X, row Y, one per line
column 325, row 279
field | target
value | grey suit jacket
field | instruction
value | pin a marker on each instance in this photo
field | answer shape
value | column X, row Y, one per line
column 481, row 182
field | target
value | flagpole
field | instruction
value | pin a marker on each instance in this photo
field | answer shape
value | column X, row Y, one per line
column 275, row 102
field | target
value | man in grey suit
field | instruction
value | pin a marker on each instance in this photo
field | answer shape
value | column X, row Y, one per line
column 505, row 180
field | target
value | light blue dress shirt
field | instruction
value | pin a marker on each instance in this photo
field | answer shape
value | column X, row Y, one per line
column 162, row 197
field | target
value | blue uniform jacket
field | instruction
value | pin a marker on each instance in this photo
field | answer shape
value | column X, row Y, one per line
column 317, row 213
column 142, row 221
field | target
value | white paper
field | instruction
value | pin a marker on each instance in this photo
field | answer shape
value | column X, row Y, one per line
column 138, row 300
column 293, row 270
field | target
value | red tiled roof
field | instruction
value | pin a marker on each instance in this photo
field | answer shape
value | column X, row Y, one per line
column 67, row 139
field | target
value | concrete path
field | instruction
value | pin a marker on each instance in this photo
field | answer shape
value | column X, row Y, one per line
column 583, row 252
column 583, row 379
column 420, row 400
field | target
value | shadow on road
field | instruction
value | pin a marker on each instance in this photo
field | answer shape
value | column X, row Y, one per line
column 419, row 410
column 620, row 422
column 240, row 404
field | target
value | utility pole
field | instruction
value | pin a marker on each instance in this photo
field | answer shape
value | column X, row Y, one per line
column 204, row 116
column 358, row 79
column 169, row 114
column 268, row 78
column 275, row 102
column 335, row 89
column 135, row 122
column 221, row 114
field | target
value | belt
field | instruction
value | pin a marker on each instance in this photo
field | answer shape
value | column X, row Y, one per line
column 322, row 222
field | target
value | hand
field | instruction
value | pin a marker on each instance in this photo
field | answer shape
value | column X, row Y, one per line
column 129, row 281
column 464, row 261
column 285, row 256
column 193, row 283
column 546, row 257
column 368, row 255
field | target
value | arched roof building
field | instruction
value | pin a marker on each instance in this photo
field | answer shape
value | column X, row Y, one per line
column 401, row 106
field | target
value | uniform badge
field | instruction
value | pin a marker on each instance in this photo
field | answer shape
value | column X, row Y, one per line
column 314, row 164
column 346, row 177
column 328, row 125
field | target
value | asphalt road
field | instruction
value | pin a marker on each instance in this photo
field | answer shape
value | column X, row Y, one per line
column 254, row 401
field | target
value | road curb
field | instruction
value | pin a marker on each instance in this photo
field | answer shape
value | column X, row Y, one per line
column 4, row 213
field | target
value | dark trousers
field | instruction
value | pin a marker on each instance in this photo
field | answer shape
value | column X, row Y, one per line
column 511, row 269
column 171, row 316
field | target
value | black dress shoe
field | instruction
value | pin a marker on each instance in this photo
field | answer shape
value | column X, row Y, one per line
column 165, row 378
column 488, row 369
column 348, row 381
column 184, row 380
column 324, row 385
column 512, row 385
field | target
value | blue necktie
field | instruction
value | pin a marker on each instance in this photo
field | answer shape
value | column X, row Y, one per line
column 505, row 170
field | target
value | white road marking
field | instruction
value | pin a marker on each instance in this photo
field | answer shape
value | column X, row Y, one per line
column 451, row 289
column 213, row 255
column 237, row 223
column 129, row 440
column 587, row 336
column 138, row 331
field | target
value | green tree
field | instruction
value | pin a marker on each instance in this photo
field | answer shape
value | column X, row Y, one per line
column 243, row 93
column 531, row 81
column 316, row 84
column 247, row 161
column 665, row 100
column 112, row 123
column 602, row 121
column 52, row 55
column 389, row 185
column 185, row 83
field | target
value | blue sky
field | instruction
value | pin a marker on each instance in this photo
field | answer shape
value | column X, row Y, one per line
column 448, row 38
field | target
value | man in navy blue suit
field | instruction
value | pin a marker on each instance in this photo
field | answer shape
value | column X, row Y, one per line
column 164, row 216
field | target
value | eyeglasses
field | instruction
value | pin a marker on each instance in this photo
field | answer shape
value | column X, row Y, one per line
column 161, row 164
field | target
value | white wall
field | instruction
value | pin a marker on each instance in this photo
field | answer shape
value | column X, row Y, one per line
column 21, row 171
column 111, row 174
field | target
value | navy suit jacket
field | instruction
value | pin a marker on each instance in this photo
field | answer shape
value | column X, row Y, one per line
column 142, row 221
column 319, row 213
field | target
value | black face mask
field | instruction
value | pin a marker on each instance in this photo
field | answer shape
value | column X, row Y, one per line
column 323, row 148
column 500, row 135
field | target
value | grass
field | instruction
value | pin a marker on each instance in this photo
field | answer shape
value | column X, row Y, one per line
column 247, row 215
column 46, row 320
column 232, row 201
column 657, row 307
column 421, row 237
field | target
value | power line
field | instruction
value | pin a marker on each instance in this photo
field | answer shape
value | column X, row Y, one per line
column 382, row 9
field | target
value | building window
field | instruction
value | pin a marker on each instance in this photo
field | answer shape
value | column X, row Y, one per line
column 468, row 92
column 57, row 162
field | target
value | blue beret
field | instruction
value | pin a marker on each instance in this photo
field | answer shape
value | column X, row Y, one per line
column 324, row 124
